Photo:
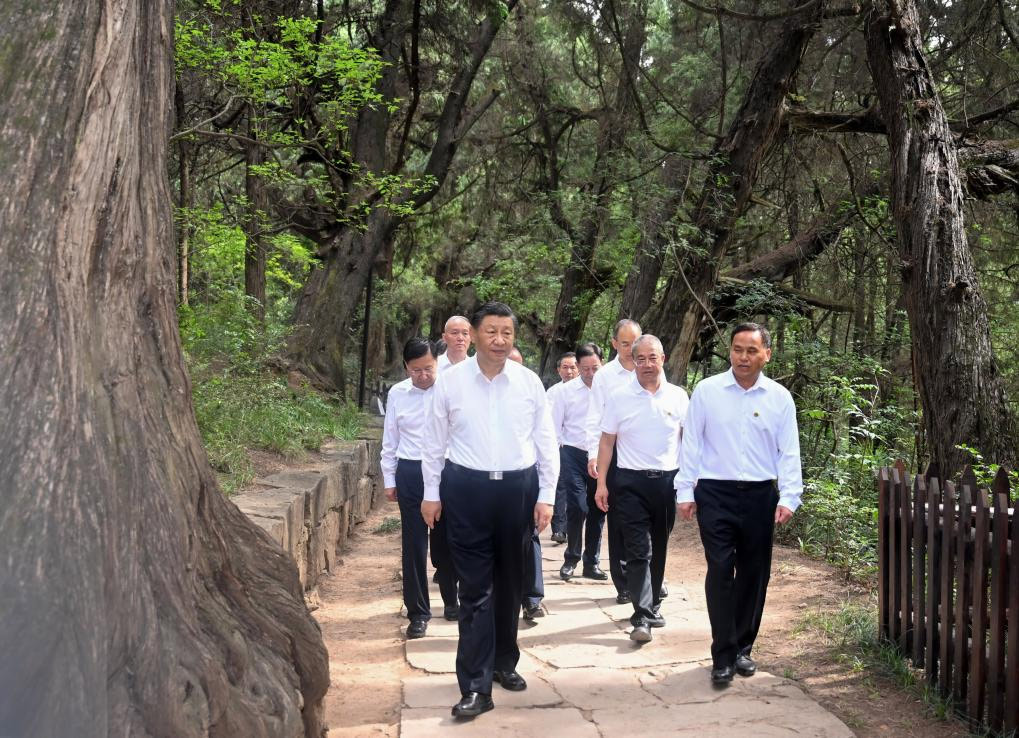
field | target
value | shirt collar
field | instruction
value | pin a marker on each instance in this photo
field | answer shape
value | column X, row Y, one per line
column 638, row 389
column 760, row 384
column 473, row 367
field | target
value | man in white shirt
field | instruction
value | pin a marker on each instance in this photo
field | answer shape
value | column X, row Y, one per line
column 457, row 336
column 491, row 416
column 402, row 440
column 615, row 373
column 643, row 423
column 740, row 438
column 566, row 366
column 584, row 520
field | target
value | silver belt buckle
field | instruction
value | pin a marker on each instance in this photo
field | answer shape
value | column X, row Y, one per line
column 495, row 475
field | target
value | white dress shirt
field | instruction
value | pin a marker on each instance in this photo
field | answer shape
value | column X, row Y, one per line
column 404, row 428
column 444, row 362
column 500, row 424
column 608, row 379
column 741, row 435
column 647, row 426
column 570, row 406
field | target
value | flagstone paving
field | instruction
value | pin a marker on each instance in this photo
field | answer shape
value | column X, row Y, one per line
column 586, row 677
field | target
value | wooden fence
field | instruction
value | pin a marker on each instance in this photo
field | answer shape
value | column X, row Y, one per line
column 949, row 588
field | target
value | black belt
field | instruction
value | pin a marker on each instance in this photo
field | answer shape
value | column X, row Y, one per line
column 736, row 484
column 491, row 475
column 649, row 473
column 408, row 461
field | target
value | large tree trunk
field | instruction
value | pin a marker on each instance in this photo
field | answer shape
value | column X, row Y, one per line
column 580, row 282
column 959, row 385
column 185, row 202
column 730, row 180
column 137, row 601
column 326, row 307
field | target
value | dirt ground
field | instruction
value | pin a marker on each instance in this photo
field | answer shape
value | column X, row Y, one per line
column 360, row 618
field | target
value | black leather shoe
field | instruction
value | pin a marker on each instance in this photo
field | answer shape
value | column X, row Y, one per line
column 566, row 571
column 657, row 621
column 622, row 598
column 558, row 538
column 417, row 628
column 641, row 632
column 722, row 675
column 663, row 592
column 530, row 613
column 472, row 704
column 595, row 572
column 745, row 666
column 510, row 680
column 451, row 612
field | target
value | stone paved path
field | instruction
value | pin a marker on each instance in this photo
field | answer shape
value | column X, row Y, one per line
column 586, row 678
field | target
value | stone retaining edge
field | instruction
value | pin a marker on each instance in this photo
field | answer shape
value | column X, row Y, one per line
column 310, row 512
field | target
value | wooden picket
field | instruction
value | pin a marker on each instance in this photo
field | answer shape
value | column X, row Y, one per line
column 948, row 591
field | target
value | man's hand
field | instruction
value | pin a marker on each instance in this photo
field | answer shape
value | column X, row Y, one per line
column 686, row 510
column 592, row 468
column 601, row 498
column 542, row 515
column 782, row 515
column 431, row 512
column 390, row 494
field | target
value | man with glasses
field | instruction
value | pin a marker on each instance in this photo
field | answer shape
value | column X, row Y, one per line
column 566, row 366
column 643, row 422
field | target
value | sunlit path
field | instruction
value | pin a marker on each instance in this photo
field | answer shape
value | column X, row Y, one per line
column 586, row 678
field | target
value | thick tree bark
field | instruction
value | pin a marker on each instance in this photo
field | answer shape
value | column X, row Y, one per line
column 657, row 233
column 725, row 194
column 957, row 379
column 328, row 302
column 137, row 601
column 581, row 285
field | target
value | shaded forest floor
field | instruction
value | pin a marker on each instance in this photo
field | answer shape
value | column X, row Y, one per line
column 361, row 622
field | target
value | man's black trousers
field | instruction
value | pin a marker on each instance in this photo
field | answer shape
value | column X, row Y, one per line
column 534, row 579
column 415, row 539
column 617, row 545
column 737, row 521
column 584, row 520
column 645, row 504
column 487, row 522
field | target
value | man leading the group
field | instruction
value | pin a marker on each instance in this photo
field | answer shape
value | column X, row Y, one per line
column 566, row 366
column 407, row 411
column 584, row 519
column 740, row 438
column 614, row 374
column 457, row 336
column 492, row 416
column 643, row 424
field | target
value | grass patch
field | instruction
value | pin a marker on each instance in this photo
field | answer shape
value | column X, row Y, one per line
column 258, row 410
column 388, row 525
column 851, row 635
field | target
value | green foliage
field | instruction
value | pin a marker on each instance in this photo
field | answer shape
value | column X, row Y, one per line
column 388, row 525
column 237, row 412
column 851, row 634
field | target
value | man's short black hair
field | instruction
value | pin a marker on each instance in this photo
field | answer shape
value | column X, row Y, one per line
column 752, row 328
column 588, row 349
column 567, row 355
column 440, row 347
column 498, row 309
column 417, row 347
